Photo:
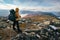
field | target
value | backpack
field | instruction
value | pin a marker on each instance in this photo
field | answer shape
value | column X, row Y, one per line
column 11, row 16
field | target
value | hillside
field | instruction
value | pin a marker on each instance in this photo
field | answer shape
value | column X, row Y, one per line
column 31, row 22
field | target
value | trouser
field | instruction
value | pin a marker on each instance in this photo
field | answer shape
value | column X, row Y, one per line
column 17, row 25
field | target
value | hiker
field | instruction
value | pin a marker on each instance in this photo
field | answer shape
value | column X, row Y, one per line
column 14, row 16
column 17, row 16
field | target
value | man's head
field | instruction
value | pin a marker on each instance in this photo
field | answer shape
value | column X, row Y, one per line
column 17, row 9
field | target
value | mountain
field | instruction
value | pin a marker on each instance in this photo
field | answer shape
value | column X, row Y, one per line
column 6, row 12
column 57, row 14
column 37, row 12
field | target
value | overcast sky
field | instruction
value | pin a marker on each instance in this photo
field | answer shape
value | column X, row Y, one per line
column 36, row 5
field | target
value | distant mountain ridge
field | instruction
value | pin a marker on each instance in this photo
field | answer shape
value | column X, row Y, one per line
column 41, row 13
column 6, row 12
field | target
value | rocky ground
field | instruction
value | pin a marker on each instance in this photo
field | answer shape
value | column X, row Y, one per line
column 30, row 25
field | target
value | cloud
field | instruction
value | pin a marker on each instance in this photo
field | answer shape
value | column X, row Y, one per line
column 35, row 5
column 32, row 2
column 41, row 8
column 1, row 1
column 34, row 8
column 10, row 6
column 7, row 6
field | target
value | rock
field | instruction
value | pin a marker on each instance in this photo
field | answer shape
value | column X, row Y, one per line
column 3, row 25
column 0, row 37
column 23, row 20
column 20, row 22
column 36, row 23
column 29, row 36
column 33, row 30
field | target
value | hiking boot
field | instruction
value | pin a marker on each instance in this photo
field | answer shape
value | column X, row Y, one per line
column 14, row 28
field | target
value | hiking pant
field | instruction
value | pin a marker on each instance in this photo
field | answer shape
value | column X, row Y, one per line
column 15, row 23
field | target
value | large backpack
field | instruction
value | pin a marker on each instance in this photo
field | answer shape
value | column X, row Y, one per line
column 11, row 16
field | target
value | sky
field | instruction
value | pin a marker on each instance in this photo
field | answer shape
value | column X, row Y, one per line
column 34, row 5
